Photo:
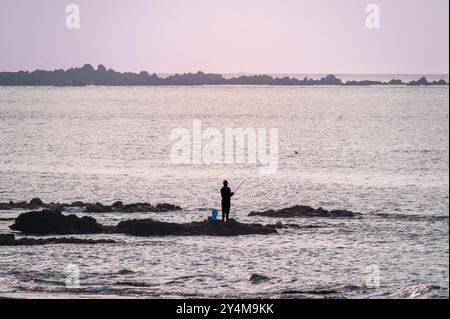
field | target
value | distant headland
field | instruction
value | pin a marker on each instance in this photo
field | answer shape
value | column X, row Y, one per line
column 87, row 75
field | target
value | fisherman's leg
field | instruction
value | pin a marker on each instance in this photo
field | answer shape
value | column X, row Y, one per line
column 223, row 212
column 227, row 212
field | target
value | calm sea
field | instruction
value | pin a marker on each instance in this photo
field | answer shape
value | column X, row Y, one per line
column 381, row 151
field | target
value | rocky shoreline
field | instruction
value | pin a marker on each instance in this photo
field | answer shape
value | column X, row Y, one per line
column 88, row 75
column 149, row 227
column 119, row 207
column 305, row 212
column 53, row 222
column 10, row 240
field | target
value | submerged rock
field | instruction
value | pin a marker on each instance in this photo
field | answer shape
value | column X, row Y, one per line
column 135, row 208
column 257, row 279
column 10, row 240
column 280, row 225
column 48, row 222
column 167, row 208
column 125, row 272
column 150, row 227
column 325, row 291
column 305, row 211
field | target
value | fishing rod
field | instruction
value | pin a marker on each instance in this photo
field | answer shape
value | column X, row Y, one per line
column 240, row 185
column 253, row 187
column 234, row 210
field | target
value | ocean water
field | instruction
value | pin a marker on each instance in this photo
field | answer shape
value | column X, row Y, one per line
column 381, row 151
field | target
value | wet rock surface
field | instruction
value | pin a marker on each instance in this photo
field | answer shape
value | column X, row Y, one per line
column 280, row 225
column 149, row 227
column 305, row 211
column 125, row 272
column 10, row 240
column 257, row 279
column 48, row 222
column 339, row 291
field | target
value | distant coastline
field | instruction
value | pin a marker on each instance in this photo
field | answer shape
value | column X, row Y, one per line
column 88, row 75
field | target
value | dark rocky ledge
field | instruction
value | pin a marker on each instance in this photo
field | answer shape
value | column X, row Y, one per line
column 10, row 240
column 149, row 227
column 118, row 206
column 305, row 212
column 47, row 222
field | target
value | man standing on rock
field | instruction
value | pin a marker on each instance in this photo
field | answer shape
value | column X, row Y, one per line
column 226, row 201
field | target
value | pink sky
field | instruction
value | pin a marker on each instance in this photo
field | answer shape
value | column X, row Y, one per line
column 227, row 36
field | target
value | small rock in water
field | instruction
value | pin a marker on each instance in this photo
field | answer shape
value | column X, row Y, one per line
column 167, row 208
column 10, row 240
column 125, row 272
column 36, row 202
column 135, row 208
column 256, row 279
column 77, row 204
column 117, row 204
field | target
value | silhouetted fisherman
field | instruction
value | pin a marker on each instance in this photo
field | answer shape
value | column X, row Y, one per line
column 226, row 201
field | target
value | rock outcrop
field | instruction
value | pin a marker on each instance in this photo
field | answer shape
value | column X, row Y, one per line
column 118, row 206
column 18, row 205
column 305, row 211
column 55, row 223
column 257, row 279
column 144, row 208
column 149, row 227
column 10, row 240
column 48, row 222
column 280, row 225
